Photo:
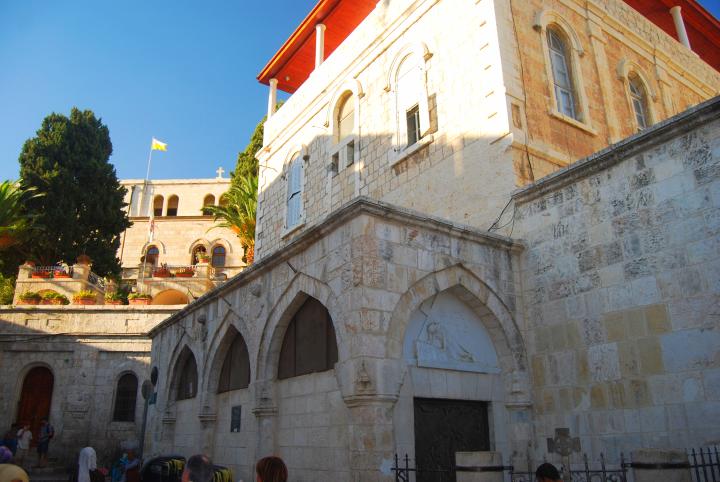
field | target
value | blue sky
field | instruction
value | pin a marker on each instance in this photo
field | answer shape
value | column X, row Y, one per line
column 181, row 70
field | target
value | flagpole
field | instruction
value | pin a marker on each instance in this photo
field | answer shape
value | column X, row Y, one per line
column 150, row 206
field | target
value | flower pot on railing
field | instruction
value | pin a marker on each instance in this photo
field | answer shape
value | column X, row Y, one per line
column 85, row 297
column 61, row 274
column 139, row 299
column 114, row 298
column 185, row 273
column 41, row 275
column 30, row 298
column 53, row 298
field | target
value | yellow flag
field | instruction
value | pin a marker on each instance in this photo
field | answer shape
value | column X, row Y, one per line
column 158, row 146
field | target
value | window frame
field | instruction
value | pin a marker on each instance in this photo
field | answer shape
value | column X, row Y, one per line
column 550, row 20
column 340, row 156
column 175, row 209
column 626, row 71
column 213, row 255
column 157, row 255
column 132, row 408
column 181, row 375
column 227, row 359
column 161, row 209
column 296, row 161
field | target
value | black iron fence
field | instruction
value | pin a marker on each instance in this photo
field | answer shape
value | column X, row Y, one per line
column 703, row 464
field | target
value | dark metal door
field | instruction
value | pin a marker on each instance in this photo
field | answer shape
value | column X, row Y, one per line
column 34, row 403
column 443, row 427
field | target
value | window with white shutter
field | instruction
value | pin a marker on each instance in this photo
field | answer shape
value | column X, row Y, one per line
column 294, row 193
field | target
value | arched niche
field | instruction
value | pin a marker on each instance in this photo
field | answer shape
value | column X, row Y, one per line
column 170, row 297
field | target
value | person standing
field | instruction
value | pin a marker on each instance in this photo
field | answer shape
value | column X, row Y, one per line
column 47, row 432
column 199, row 468
column 86, row 463
column 24, row 436
column 547, row 473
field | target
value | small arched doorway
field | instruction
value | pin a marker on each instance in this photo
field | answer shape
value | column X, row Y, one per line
column 35, row 398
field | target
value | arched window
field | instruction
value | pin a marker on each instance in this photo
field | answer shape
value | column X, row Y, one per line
column 564, row 84
column 126, row 398
column 294, row 193
column 172, row 208
column 223, row 200
column 408, row 90
column 639, row 99
column 187, row 376
column 345, row 117
column 218, row 257
column 208, row 201
column 158, row 202
column 309, row 344
column 198, row 252
column 235, row 372
column 152, row 255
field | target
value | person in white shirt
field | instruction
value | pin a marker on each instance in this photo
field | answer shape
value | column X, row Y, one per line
column 24, row 436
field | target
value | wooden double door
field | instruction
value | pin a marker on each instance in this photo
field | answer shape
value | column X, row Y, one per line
column 35, row 399
column 443, row 427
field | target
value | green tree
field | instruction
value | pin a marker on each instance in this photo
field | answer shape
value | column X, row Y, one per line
column 246, row 164
column 14, row 221
column 237, row 212
column 80, row 210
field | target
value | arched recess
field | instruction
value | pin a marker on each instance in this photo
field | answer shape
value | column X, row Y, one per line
column 209, row 200
column 158, row 202
column 501, row 325
column 299, row 289
column 172, row 205
column 35, row 397
column 184, row 370
column 231, row 356
column 125, row 399
column 170, row 297
column 628, row 72
column 353, row 88
column 155, row 242
column 417, row 54
column 223, row 242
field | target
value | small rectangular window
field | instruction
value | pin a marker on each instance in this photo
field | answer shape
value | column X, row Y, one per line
column 335, row 163
column 413, row 125
column 235, row 418
column 350, row 152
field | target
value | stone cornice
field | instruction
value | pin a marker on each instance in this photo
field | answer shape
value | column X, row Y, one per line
column 358, row 206
column 661, row 132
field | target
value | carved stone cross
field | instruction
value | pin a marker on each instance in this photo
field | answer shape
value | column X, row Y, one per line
column 564, row 445
column 220, row 172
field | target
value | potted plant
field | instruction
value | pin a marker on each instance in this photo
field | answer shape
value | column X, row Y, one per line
column 162, row 272
column 114, row 298
column 41, row 274
column 85, row 297
column 54, row 298
column 61, row 273
column 203, row 258
column 30, row 298
column 139, row 298
column 186, row 272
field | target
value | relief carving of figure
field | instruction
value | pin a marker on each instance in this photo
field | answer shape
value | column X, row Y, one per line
column 443, row 346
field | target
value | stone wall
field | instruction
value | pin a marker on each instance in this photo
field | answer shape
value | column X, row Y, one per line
column 371, row 266
column 87, row 349
column 484, row 96
column 621, row 288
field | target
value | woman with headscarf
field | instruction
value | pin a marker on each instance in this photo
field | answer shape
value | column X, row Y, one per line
column 86, row 463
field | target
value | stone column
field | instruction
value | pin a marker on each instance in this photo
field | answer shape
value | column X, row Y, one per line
column 319, row 44
column 208, row 419
column 668, row 465
column 272, row 98
column 266, row 413
column 479, row 459
column 372, row 440
column 680, row 26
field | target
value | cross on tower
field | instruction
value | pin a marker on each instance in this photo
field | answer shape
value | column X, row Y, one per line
column 220, row 172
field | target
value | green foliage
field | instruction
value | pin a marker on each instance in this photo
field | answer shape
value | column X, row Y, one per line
column 7, row 290
column 84, row 294
column 80, row 210
column 30, row 295
column 14, row 221
column 139, row 296
column 53, row 295
column 247, row 165
column 238, row 211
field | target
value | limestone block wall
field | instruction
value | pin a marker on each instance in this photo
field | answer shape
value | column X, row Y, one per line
column 190, row 192
column 87, row 349
column 465, row 141
column 620, row 281
column 608, row 41
column 372, row 266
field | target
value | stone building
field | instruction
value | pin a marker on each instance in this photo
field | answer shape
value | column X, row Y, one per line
column 408, row 298
column 84, row 365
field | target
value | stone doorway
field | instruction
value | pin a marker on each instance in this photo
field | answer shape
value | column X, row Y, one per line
column 443, row 427
column 35, row 399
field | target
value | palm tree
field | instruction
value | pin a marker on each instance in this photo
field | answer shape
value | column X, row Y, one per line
column 14, row 221
column 237, row 212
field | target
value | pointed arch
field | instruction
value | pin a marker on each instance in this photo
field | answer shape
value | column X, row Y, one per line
column 184, row 378
column 300, row 288
column 464, row 284
column 229, row 326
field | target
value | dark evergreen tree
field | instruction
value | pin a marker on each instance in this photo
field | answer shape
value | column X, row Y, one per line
column 80, row 210
column 247, row 165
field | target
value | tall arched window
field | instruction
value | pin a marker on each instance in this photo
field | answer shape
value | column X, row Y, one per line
column 187, row 376
column 172, row 208
column 158, row 202
column 126, row 398
column 208, row 201
column 235, row 372
column 294, row 193
column 565, row 94
column 639, row 99
column 309, row 344
column 198, row 252
column 218, row 257
column 152, row 255
column 345, row 117
column 408, row 91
